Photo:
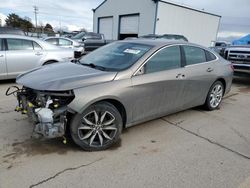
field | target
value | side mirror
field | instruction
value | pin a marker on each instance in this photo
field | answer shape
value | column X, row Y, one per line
column 83, row 39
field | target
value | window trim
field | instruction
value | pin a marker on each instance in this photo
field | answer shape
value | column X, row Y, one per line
column 204, row 52
column 158, row 50
column 37, row 44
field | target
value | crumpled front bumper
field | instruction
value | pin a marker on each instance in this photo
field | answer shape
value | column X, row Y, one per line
column 47, row 111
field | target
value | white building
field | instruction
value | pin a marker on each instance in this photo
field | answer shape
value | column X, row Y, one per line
column 2, row 19
column 118, row 19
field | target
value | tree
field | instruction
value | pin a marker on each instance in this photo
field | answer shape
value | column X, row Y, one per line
column 48, row 27
column 13, row 20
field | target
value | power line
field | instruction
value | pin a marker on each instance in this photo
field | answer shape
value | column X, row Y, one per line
column 35, row 12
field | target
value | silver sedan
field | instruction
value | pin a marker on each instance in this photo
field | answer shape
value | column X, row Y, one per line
column 19, row 54
column 66, row 43
column 120, row 85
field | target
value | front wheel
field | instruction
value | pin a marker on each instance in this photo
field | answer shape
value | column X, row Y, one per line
column 97, row 128
column 214, row 96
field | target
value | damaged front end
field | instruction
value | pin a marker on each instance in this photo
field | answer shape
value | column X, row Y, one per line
column 46, row 109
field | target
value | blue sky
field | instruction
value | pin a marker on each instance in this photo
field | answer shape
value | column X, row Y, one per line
column 76, row 14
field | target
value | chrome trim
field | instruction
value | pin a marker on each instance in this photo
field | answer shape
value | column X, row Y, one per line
column 152, row 55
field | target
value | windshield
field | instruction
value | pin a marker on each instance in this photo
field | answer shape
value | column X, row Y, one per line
column 79, row 35
column 116, row 56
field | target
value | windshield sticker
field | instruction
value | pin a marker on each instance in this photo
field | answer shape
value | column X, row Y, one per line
column 132, row 51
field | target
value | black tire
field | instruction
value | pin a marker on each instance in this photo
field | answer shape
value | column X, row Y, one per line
column 209, row 105
column 50, row 62
column 83, row 121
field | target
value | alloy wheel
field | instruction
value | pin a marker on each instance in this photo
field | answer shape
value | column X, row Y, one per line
column 216, row 96
column 97, row 128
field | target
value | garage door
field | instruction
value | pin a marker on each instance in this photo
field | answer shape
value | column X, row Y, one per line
column 129, row 26
column 106, row 27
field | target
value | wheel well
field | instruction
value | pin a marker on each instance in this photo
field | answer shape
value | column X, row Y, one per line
column 119, row 106
column 223, row 82
column 49, row 62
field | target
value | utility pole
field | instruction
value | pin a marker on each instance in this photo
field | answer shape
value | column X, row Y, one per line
column 36, row 12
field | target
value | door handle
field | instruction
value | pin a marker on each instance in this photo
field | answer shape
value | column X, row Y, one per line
column 38, row 53
column 210, row 69
column 1, row 55
column 180, row 75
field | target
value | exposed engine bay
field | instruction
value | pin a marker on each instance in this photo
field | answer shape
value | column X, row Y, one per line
column 47, row 110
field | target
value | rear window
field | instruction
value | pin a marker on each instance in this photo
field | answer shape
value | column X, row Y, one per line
column 65, row 42
column 94, row 36
column 19, row 44
column 53, row 41
column 194, row 55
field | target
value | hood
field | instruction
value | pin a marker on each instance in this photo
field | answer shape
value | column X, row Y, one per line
column 63, row 76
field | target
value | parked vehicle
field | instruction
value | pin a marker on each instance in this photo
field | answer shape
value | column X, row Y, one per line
column 240, row 57
column 66, row 43
column 119, row 85
column 165, row 36
column 19, row 54
column 220, row 47
column 91, row 41
column 11, row 31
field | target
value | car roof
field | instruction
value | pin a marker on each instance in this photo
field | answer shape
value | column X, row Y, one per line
column 18, row 37
column 156, row 42
column 58, row 38
column 44, row 44
column 159, row 43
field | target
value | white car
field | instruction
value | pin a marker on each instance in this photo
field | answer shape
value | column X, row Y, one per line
column 66, row 43
column 19, row 54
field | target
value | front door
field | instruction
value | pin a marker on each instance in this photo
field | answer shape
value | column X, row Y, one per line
column 158, row 90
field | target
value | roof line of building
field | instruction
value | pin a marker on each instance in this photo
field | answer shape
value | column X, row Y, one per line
column 186, row 7
column 94, row 9
column 175, row 4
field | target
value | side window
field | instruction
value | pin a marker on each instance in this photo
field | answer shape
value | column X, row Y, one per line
column 36, row 46
column 210, row 56
column 166, row 59
column 53, row 41
column 1, row 44
column 19, row 44
column 194, row 55
column 64, row 42
column 94, row 36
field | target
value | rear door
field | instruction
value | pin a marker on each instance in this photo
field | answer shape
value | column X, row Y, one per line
column 3, row 68
column 199, row 76
column 22, row 55
column 158, row 90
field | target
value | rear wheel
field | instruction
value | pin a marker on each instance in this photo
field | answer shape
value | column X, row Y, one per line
column 97, row 128
column 214, row 96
